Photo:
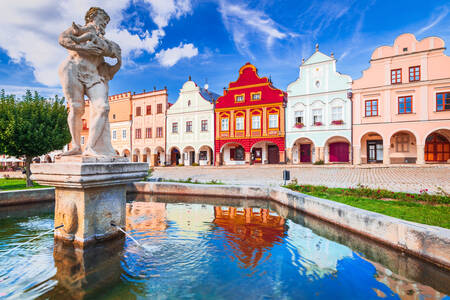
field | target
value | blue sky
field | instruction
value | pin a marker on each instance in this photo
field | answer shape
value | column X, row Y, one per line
column 165, row 41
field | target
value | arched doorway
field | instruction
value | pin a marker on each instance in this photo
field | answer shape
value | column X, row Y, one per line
column 337, row 150
column 302, row 151
column 159, row 156
column 232, row 154
column 205, row 155
column 403, row 147
column 372, row 148
column 136, row 155
column 175, row 157
column 437, row 148
column 126, row 153
column 146, row 155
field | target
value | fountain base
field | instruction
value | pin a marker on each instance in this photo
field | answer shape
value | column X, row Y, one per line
column 90, row 193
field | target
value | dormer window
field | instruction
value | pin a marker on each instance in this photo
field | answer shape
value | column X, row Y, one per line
column 239, row 98
column 405, row 49
column 256, row 96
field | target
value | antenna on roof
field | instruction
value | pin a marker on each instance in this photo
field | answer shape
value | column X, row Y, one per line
column 303, row 60
column 332, row 54
column 317, row 47
column 154, row 88
column 144, row 90
column 190, row 78
column 270, row 78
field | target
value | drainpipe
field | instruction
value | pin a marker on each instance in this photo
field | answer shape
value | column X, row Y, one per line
column 131, row 132
column 214, row 133
column 350, row 97
column 285, row 143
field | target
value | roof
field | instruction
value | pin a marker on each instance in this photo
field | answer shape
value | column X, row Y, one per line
column 208, row 95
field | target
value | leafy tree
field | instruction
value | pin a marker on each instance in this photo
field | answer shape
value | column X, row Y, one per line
column 32, row 126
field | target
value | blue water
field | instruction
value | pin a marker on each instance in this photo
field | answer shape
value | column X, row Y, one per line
column 199, row 251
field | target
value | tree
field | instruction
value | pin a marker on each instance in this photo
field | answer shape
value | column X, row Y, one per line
column 32, row 126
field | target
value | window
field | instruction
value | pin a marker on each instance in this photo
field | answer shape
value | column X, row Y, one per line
column 443, row 101
column 138, row 111
column 299, row 117
column 371, row 108
column 138, row 133
column 224, row 124
column 124, row 134
column 175, row 127
column 204, row 125
column 114, row 135
column 396, row 76
column 148, row 133
column 237, row 153
column 159, row 132
column 414, row 73
column 239, row 98
column 239, row 123
column 336, row 113
column 114, row 116
column 317, row 116
column 402, row 142
column 273, row 121
column 405, row 105
column 256, row 96
column 159, row 108
column 82, row 140
column 149, row 110
column 203, row 155
column 188, row 126
column 84, row 124
column 256, row 122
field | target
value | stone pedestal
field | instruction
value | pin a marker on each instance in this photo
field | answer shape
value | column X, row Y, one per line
column 90, row 193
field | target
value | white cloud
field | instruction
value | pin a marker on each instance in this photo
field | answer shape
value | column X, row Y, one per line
column 29, row 30
column 242, row 22
column 443, row 13
column 170, row 57
column 19, row 91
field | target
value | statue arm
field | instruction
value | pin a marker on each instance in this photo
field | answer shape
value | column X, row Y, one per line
column 67, row 42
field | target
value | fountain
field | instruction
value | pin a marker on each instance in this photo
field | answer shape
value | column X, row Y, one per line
column 90, row 185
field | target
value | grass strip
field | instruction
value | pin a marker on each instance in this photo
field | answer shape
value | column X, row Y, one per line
column 10, row 184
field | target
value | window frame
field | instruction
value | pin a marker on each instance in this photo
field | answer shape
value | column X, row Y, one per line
column 404, row 143
column 159, row 109
column 414, row 73
column 138, row 133
column 124, row 134
column 114, row 135
column 239, row 95
column 204, row 125
column 222, row 118
column 260, row 120
column 277, row 120
column 393, row 71
column 371, row 108
column 443, row 101
column 404, row 108
column 313, row 116
column 148, row 110
column 188, row 126
column 341, row 113
column 138, row 111
column 239, row 115
column 174, row 127
column 255, row 93
column 159, row 132
column 148, row 133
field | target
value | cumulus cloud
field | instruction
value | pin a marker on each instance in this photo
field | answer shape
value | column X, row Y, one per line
column 242, row 22
column 29, row 30
column 170, row 57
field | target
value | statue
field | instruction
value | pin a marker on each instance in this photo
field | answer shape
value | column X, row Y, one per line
column 85, row 72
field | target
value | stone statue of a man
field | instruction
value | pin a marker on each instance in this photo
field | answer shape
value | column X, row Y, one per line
column 85, row 72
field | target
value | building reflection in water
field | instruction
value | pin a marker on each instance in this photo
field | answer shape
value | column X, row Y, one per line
column 250, row 232
column 146, row 216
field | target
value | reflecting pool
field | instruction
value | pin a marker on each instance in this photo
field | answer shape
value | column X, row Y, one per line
column 209, row 248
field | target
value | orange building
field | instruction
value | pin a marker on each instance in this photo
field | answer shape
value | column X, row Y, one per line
column 120, row 122
column 149, row 126
column 249, row 118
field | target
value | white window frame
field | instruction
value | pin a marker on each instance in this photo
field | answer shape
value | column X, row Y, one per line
column 224, row 126
column 239, row 123
column 299, row 114
column 124, row 134
column 273, row 121
column 256, row 122
column 114, row 135
column 317, row 115
column 337, row 116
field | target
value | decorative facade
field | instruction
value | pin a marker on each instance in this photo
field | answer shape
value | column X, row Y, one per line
column 249, row 121
column 120, row 119
column 318, row 113
column 190, row 127
column 401, row 104
column 149, row 127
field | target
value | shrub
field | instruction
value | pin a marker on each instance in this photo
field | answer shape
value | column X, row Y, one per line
column 319, row 162
column 195, row 164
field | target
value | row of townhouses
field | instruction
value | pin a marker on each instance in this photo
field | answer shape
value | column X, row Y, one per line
column 397, row 112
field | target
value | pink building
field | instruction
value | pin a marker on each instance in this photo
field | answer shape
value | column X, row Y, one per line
column 149, row 127
column 401, row 104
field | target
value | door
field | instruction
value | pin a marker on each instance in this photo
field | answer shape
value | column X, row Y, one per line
column 374, row 151
column 339, row 152
column 174, row 157
column 273, row 154
column 305, row 153
column 257, row 155
column 191, row 157
column 437, row 148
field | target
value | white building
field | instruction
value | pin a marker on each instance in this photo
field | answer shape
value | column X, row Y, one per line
column 190, row 126
column 318, row 114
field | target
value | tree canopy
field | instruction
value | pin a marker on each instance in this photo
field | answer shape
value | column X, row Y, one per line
column 32, row 126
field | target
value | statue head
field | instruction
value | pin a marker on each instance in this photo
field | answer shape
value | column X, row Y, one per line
column 98, row 16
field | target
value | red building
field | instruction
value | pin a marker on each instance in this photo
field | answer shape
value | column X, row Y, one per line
column 249, row 118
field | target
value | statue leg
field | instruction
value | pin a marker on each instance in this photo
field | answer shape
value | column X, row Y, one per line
column 99, row 141
column 75, row 98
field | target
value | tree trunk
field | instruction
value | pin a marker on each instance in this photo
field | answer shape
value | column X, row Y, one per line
column 27, row 169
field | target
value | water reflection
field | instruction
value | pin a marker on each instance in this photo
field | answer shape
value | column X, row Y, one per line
column 250, row 232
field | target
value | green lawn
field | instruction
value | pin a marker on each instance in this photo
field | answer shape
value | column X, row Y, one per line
column 421, row 208
column 9, row 184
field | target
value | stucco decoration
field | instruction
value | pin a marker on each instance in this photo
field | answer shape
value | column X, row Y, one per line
column 85, row 73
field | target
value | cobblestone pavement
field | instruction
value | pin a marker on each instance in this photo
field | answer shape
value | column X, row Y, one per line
column 410, row 179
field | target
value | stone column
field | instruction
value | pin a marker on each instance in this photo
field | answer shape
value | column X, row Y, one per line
column 289, row 156
column 356, row 155
column 282, row 156
column 420, row 155
column 90, row 194
column 218, row 161
column 319, row 153
column 153, row 158
column 386, row 154
column 248, row 157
